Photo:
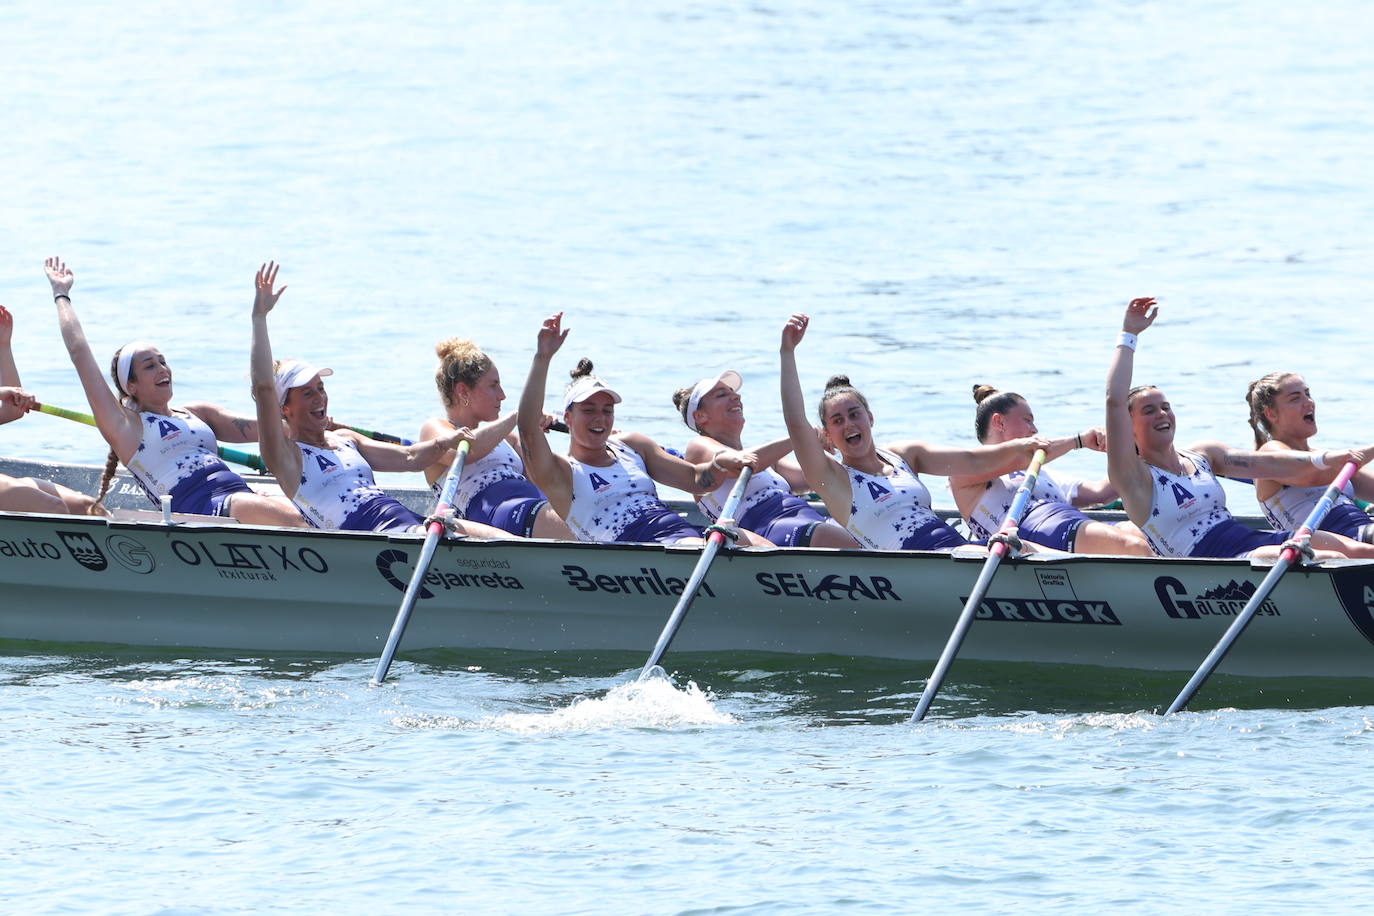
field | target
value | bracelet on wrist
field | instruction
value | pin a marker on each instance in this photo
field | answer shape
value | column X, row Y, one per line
column 61, row 296
column 1319, row 460
column 1079, row 437
column 1127, row 340
column 715, row 462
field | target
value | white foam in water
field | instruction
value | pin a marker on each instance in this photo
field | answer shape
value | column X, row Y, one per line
column 652, row 703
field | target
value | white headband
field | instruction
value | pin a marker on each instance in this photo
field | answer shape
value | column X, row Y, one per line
column 585, row 387
column 124, row 361
column 729, row 377
column 293, row 373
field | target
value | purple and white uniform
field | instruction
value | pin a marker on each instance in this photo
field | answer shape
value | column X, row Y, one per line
column 338, row 490
column 1189, row 518
column 620, row 502
column 494, row 490
column 1050, row 518
column 892, row 512
column 767, row 508
column 1289, row 507
column 177, row 457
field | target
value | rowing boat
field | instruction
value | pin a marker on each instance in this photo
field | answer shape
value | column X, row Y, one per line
column 136, row 579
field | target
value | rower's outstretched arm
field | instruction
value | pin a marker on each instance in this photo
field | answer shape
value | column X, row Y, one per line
column 825, row 475
column 280, row 454
column 549, row 472
column 11, row 389
column 1125, row 469
column 121, row 428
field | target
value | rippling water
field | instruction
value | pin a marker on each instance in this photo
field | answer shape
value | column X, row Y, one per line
column 956, row 191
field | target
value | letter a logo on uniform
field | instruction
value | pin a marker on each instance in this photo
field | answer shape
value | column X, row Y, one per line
column 599, row 483
column 877, row 491
column 325, row 464
column 166, row 428
column 1180, row 494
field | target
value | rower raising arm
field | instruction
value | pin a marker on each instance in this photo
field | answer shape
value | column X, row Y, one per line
column 1126, row 469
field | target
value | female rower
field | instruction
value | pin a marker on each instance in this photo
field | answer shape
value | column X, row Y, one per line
column 713, row 410
column 604, row 486
column 493, row 489
column 1284, row 416
column 327, row 472
column 30, row 494
column 171, row 451
column 874, row 492
column 1052, row 517
column 1173, row 494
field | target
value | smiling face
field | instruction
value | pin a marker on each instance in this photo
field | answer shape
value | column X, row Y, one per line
column 849, row 426
column 1292, row 417
column 481, row 400
column 306, row 410
column 1152, row 421
column 591, row 420
column 720, row 412
column 150, row 378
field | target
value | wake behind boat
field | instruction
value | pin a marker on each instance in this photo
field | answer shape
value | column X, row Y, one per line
column 134, row 579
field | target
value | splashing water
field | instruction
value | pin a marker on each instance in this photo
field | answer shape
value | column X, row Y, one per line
column 655, row 702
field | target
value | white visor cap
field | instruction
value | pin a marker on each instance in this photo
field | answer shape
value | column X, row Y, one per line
column 729, row 378
column 584, row 388
column 293, row 373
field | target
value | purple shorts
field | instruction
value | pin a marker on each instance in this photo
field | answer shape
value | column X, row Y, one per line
column 935, row 535
column 784, row 519
column 662, row 525
column 510, row 505
column 1232, row 539
column 207, row 491
column 1052, row 524
column 381, row 513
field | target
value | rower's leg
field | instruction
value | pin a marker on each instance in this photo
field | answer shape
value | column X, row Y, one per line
column 23, row 494
column 257, row 509
column 1100, row 537
column 547, row 524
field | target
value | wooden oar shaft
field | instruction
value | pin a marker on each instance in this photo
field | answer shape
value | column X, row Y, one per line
column 980, row 587
column 708, row 553
column 412, row 593
column 247, row 459
column 1285, row 560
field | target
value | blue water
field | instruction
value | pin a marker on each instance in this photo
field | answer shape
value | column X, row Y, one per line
column 957, row 192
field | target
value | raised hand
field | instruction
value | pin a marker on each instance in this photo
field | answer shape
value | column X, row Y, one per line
column 265, row 299
column 6, row 326
column 1140, row 314
column 794, row 331
column 551, row 336
column 59, row 275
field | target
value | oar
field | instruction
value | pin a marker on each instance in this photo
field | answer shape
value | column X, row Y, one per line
column 980, row 588
column 380, row 437
column 436, row 529
column 247, row 459
column 708, row 553
column 1285, row 560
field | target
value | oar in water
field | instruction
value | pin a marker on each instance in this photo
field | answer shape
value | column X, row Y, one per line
column 436, row 529
column 247, row 459
column 980, row 588
column 714, row 539
column 1285, row 560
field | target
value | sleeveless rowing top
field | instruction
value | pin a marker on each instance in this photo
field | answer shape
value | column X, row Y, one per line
column 1289, row 507
column 886, row 510
column 501, row 463
column 334, row 483
column 1184, row 507
column 174, row 447
column 994, row 502
column 763, row 485
column 606, row 500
